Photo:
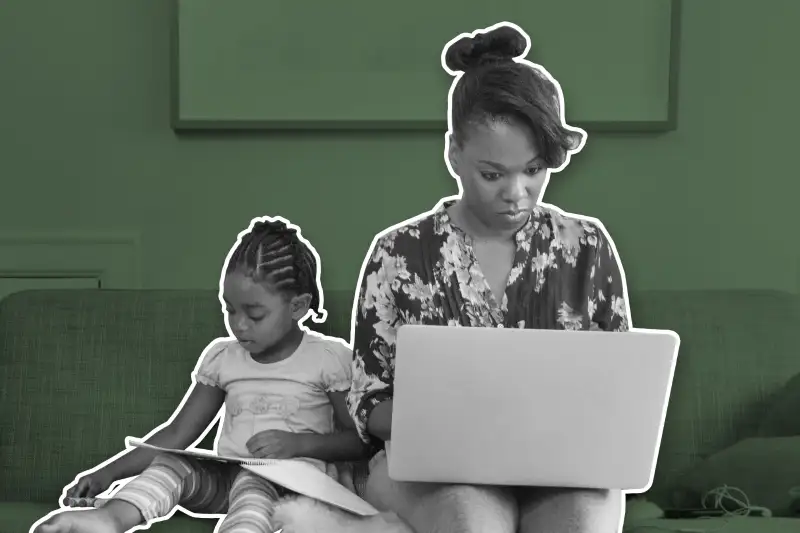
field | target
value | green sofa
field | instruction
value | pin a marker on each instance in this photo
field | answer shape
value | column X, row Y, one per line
column 82, row 369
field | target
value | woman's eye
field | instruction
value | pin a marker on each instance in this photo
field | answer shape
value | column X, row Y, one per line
column 257, row 318
column 534, row 170
column 491, row 176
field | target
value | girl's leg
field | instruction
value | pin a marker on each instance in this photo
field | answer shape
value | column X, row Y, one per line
column 250, row 505
column 170, row 480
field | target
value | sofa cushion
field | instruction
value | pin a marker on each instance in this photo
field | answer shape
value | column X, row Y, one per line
column 82, row 370
column 782, row 417
column 737, row 348
column 764, row 469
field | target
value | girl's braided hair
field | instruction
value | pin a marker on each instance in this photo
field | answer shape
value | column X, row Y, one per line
column 274, row 253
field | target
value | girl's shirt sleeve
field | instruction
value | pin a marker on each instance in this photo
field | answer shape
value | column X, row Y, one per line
column 337, row 367
column 612, row 312
column 376, row 320
column 208, row 368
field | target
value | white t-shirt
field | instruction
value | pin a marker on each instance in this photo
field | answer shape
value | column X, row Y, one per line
column 290, row 395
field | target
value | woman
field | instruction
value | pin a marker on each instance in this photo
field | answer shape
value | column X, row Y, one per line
column 493, row 256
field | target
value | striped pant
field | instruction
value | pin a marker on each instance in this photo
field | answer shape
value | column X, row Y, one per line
column 206, row 487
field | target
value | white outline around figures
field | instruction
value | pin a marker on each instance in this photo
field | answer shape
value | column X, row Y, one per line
column 368, row 257
column 583, row 138
column 310, row 314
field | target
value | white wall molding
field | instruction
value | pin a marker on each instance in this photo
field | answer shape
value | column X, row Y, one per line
column 114, row 257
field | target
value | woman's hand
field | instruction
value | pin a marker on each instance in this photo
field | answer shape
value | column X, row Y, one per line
column 379, row 423
column 275, row 444
column 90, row 485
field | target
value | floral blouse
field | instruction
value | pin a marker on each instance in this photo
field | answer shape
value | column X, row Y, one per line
column 565, row 275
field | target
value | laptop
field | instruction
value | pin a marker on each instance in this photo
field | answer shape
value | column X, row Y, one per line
column 527, row 407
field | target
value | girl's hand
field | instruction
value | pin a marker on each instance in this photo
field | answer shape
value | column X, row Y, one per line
column 275, row 444
column 90, row 485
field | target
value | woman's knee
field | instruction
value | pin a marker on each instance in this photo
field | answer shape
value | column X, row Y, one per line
column 475, row 497
column 608, row 499
column 437, row 508
column 467, row 509
column 578, row 510
column 593, row 502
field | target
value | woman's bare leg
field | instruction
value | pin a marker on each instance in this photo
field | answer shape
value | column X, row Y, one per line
column 434, row 508
column 569, row 510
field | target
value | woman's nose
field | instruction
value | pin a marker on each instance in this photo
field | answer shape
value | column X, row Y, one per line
column 516, row 189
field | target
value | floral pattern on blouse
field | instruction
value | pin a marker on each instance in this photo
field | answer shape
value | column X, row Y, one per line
column 565, row 275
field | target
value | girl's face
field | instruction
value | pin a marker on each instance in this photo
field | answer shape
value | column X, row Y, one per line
column 257, row 316
column 502, row 175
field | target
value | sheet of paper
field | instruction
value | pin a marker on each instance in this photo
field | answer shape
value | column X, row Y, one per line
column 297, row 476
column 198, row 454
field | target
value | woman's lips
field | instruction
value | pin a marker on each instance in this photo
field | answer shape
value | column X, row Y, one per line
column 515, row 213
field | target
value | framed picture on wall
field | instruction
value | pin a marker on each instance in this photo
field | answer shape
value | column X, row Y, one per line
column 250, row 64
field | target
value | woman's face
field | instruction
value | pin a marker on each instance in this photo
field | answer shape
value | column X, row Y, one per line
column 502, row 175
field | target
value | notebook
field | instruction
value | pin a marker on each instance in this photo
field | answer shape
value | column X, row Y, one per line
column 297, row 476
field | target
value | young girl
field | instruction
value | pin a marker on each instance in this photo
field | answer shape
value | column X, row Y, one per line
column 283, row 388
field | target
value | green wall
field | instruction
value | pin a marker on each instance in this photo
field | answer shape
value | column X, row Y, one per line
column 86, row 145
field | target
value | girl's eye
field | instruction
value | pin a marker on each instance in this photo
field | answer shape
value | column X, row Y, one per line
column 229, row 310
column 257, row 318
column 491, row 176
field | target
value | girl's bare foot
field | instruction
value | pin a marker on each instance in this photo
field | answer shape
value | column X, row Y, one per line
column 114, row 517
column 81, row 521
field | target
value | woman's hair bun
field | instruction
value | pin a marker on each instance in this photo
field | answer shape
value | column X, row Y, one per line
column 498, row 45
